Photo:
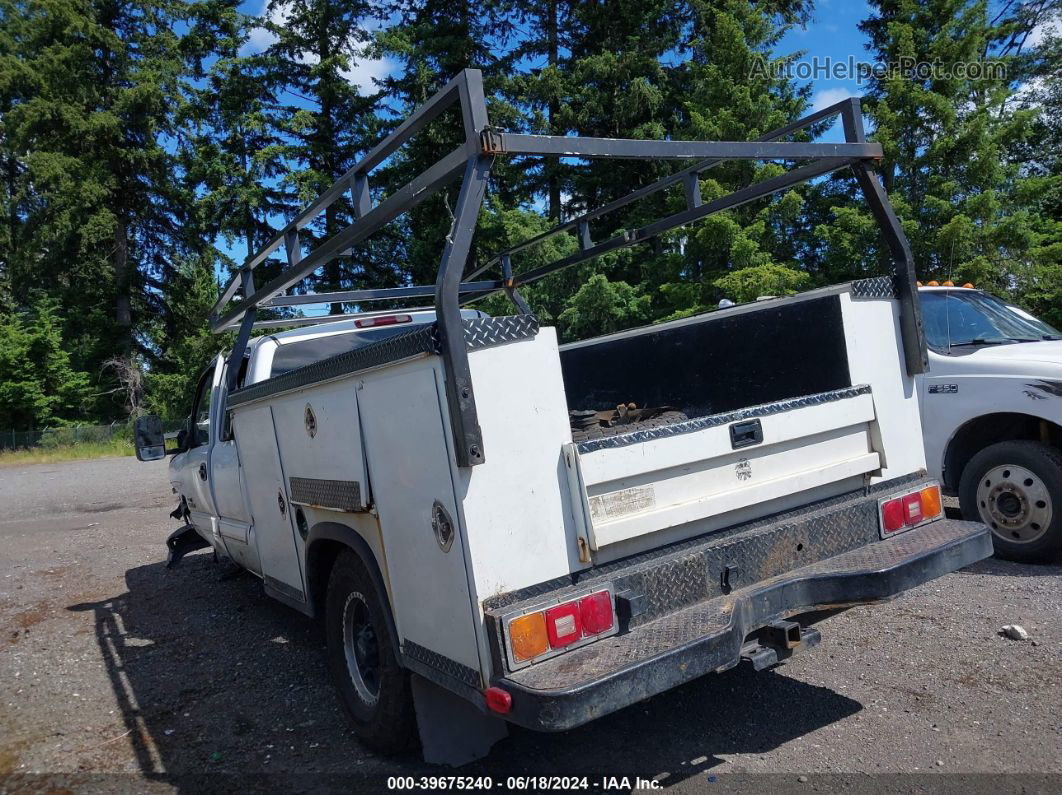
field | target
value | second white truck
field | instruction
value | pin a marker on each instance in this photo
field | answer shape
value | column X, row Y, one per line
column 992, row 417
column 496, row 528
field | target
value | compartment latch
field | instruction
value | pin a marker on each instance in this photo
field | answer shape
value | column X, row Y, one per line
column 745, row 434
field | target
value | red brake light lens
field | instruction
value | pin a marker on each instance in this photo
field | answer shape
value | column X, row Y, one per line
column 892, row 518
column 595, row 611
column 382, row 320
column 912, row 508
column 563, row 625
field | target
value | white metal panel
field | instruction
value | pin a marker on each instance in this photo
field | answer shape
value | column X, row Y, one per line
column 990, row 380
column 517, row 505
column 227, row 483
column 721, row 499
column 669, row 452
column 195, row 463
column 334, row 450
column 875, row 357
column 273, row 531
column 677, row 480
column 409, row 467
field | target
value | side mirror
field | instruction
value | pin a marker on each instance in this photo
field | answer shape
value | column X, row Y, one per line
column 182, row 439
column 148, row 438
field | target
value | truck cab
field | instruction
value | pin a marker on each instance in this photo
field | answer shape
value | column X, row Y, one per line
column 206, row 475
column 992, row 416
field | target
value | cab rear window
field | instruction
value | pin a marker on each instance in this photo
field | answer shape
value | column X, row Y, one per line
column 293, row 355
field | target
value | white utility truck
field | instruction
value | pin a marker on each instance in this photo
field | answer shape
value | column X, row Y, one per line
column 992, row 416
column 497, row 528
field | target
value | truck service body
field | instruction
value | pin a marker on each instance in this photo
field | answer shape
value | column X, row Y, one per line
column 486, row 542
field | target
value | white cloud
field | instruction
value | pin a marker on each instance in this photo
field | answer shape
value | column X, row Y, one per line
column 828, row 96
column 1039, row 33
column 261, row 38
column 361, row 72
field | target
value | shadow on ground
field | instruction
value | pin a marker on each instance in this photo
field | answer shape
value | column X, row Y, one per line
column 216, row 680
column 1004, row 568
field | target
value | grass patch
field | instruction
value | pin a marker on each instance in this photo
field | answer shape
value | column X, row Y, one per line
column 66, row 452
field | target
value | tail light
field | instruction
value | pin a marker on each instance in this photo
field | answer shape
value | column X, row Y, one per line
column 910, row 510
column 558, row 627
column 596, row 612
column 498, row 700
column 382, row 320
column 563, row 625
column 527, row 635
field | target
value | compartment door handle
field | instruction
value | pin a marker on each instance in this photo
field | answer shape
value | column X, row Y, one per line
column 745, row 434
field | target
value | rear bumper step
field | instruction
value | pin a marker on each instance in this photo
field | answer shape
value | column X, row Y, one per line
column 582, row 685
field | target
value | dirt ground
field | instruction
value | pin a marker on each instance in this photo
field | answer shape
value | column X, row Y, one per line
column 117, row 674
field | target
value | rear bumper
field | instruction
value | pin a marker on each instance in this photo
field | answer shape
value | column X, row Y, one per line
column 574, row 688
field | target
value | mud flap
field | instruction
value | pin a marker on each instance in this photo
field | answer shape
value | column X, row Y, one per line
column 452, row 731
column 182, row 541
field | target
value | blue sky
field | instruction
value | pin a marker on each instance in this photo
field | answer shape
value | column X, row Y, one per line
column 832, row 33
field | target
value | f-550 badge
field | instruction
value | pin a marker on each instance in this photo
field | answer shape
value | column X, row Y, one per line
column 943, row 389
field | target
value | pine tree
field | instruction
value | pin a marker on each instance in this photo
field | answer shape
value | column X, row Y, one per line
column 38, row 385
column 946, row 136
column 326, row 122
column 431, row 42
column 90, row 88
column 1039, row 157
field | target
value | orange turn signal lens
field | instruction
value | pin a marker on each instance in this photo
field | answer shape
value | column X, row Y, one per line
column 933, row 283
column 527, row 635
column 931, row 503
column 968, row 286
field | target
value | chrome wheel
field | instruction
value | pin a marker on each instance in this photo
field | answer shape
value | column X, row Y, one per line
column 1015, row 503
column 361, row 649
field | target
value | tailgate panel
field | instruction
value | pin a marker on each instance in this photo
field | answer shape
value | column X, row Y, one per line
column 629, row 490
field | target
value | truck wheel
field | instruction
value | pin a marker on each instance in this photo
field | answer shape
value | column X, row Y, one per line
column 1016, row 489
column 374, row 689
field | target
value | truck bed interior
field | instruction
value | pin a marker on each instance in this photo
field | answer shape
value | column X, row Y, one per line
column 713, row 363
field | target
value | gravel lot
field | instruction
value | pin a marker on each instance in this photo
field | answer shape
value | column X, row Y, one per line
column 118, row 674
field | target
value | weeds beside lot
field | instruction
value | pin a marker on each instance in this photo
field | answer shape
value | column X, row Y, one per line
column 66, row 452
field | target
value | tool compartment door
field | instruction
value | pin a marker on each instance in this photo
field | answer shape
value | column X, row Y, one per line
column 634, row 489
column 410, row 469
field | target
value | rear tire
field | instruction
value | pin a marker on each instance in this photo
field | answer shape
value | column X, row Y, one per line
column 373, row 688
column 1016, row 489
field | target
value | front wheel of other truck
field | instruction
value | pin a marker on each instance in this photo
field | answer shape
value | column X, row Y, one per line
column 1016, row 489
column 374, row 689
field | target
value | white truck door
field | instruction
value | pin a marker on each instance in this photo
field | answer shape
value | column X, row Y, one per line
column 195, row 464
column 272, row 526
column 939, row 396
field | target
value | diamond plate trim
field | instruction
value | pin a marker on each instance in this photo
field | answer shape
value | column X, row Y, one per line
column 479, row 333
column 716, row 616
column 833, row 512
column 714, row 420
column 336, row 495
column 876, row 287
column 438, row 662
column 482, row 332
